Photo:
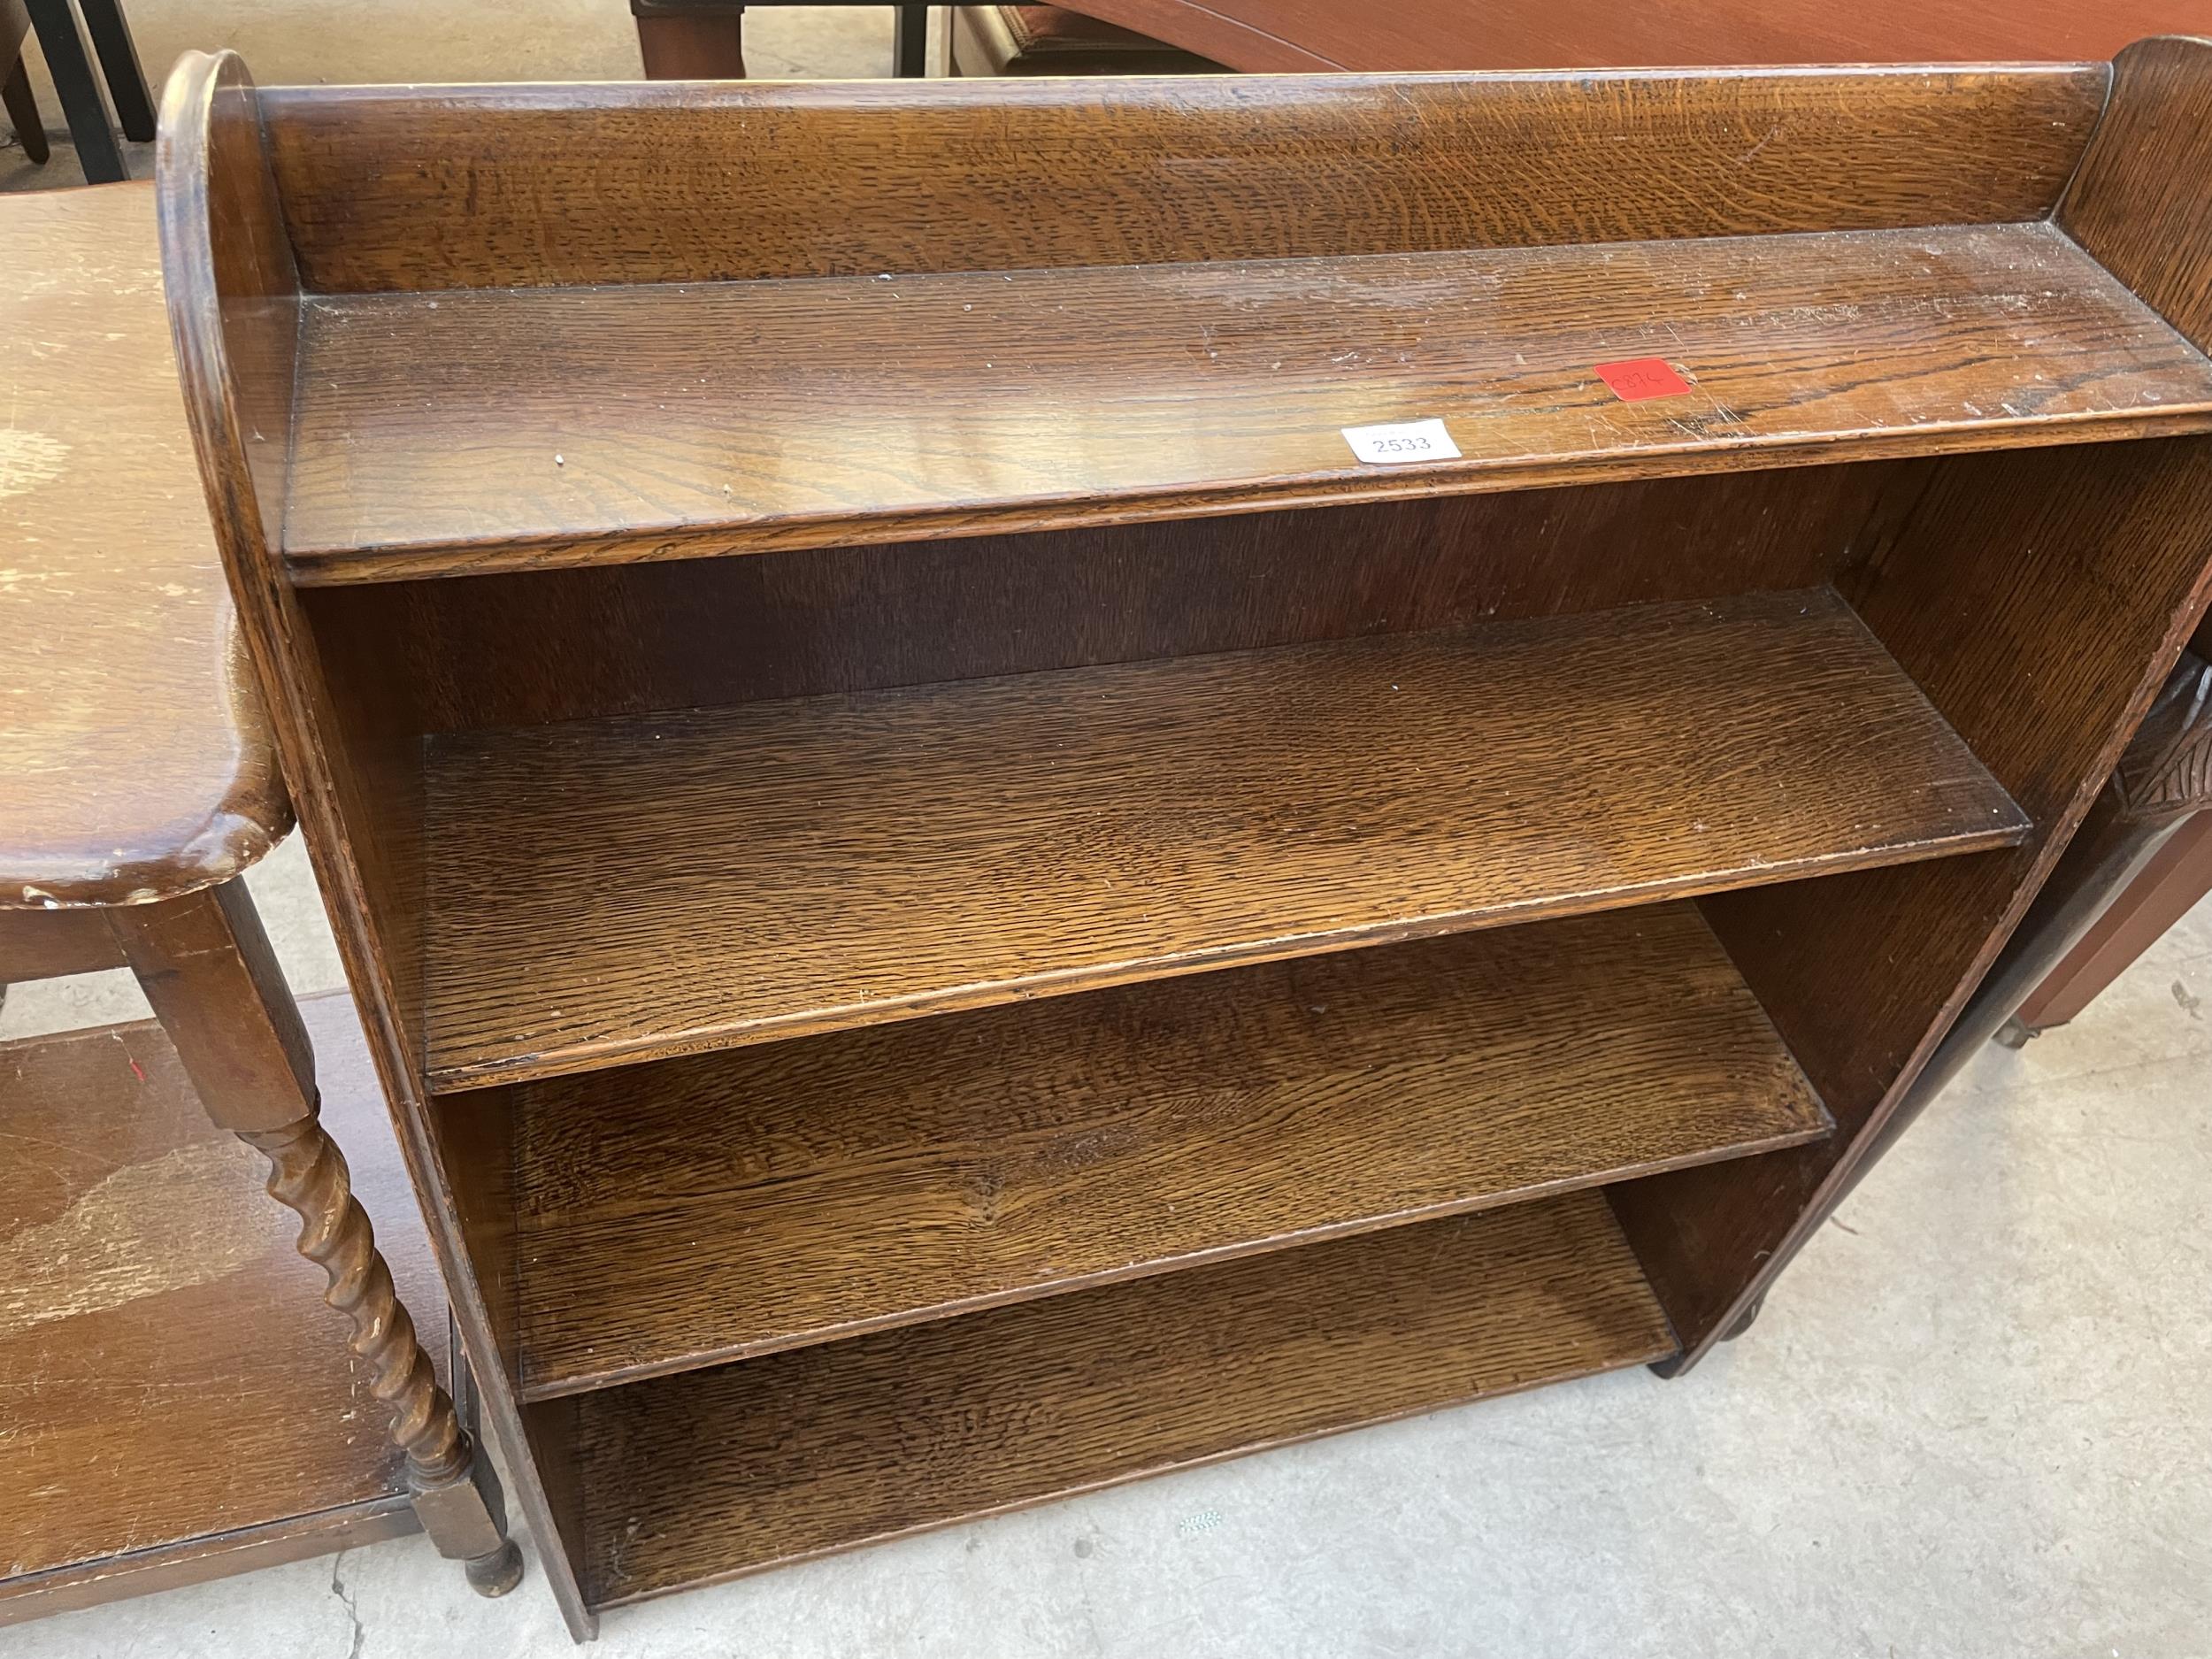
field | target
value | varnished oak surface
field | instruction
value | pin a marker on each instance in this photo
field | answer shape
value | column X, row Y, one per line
column 171, row 1377
column 136, row 762
column 720, row 1206
column 622, row 888
column 427, row 188
column 493, row 429
column 723, row 1471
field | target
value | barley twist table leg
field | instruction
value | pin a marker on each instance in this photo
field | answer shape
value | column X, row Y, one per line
column 206, row 967
column 308, row 1175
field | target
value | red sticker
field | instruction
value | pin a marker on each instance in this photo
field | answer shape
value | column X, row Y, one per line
column 1639, row 378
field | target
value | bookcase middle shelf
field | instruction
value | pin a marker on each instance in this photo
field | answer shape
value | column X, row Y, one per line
column 633, row 887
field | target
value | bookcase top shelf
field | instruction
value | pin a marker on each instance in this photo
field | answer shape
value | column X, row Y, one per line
column 713, row 877
column 471, row 430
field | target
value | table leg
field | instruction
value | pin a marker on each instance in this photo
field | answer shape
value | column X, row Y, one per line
column 2167, row 886
column 22, row 107
column 913, row 44
column 119, row 63
column 205, row 965
column 97, row 151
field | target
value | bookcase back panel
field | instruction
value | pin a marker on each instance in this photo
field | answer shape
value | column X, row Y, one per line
column 418, row 189
column 566, row 644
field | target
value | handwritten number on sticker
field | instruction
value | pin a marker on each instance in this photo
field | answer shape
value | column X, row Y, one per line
column 1635, row 378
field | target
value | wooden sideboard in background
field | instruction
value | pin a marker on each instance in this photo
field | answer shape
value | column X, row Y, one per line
column 1262, row 35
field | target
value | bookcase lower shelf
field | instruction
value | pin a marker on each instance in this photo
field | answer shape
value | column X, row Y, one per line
column 724, row 1206
column 715, row 1473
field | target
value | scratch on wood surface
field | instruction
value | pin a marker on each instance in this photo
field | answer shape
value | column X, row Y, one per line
column 28, row 459
column 146, row 1229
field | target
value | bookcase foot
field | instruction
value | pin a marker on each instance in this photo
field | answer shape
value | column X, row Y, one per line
column 1749, row 1318
column 495, row 1574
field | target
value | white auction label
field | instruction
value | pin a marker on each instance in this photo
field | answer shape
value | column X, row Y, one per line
column 1407, row 441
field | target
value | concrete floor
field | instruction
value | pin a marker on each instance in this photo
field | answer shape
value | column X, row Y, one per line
column 1972, row 1421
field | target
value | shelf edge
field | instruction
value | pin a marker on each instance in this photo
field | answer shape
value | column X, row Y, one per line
column 2009, row 831
column 330, row 567
column 569, row 1388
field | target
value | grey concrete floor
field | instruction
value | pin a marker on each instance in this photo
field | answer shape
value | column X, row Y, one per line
column 1972, row 1421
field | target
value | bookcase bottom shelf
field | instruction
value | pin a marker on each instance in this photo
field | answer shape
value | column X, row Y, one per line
column 711, row 1474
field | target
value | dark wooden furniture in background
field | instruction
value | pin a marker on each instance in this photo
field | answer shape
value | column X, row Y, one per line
column 140, row 784
column 704, row 40
column 1016, row 40
column 2122, row 839
column 914, row 831
column 1323, row 35
column 82, row 104
column 16, row 96
column 2143, row 862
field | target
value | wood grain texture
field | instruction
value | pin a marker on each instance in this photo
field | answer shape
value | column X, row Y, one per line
column 172, row 1376
column 139, row 763
column 2137, row 202
column 1295, row 35
column 46, row 944
column 723, row 1471
column 232, row 287
column 494, row 430
column 2040, row 601
column 713, row 1207
column 199, row 1560
column 421, row 187
column 532, row 647
column 2035, row 599
column 627, row 888
column 206, row 966
column 2167, row 770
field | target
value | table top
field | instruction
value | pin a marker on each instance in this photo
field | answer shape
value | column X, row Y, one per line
column 135, row 761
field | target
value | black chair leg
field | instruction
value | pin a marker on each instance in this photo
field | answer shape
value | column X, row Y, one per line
column 22, row 107
column 913, row 51
column 119, row 62
column 97, row 151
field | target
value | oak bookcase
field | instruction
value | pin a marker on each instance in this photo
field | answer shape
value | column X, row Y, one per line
column 957, row 904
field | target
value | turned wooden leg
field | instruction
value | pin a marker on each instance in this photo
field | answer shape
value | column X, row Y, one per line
column 207, row 969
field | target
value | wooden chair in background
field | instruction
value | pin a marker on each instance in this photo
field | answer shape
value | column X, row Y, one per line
column 15, row 83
